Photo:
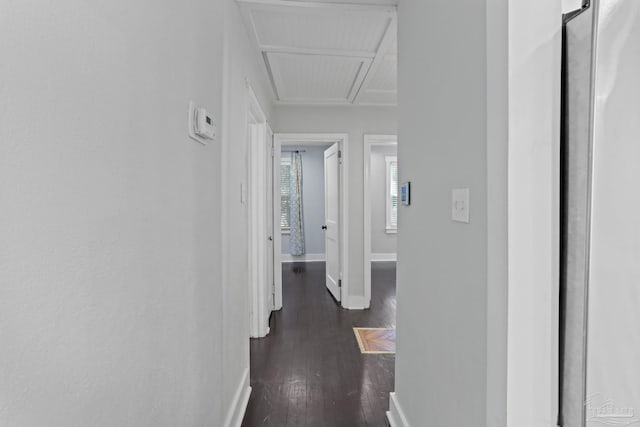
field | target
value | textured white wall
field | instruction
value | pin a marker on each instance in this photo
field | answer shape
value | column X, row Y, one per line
column 356, row 121
column 113, row 310
column 110, row 291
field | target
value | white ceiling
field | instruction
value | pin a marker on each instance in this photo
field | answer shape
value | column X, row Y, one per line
column 327, row 52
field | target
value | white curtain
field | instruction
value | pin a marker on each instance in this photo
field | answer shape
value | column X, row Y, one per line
column 296, row 223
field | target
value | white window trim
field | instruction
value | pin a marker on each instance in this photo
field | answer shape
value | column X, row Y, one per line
column 285, row 161
column 390, row 229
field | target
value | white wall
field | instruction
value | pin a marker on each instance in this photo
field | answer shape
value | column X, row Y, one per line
column 312, row 199
column 110, row 295
column 356, row 121
column 113, row 307
column 442, row 266
column 534, row 129
column 451, row 290
column 242, row 65
column 484, row 303
column 614, row 295
column 381, row 241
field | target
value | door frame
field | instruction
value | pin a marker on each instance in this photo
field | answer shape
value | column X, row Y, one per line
column 257, row 157
column 370, row 141
column 313, row 139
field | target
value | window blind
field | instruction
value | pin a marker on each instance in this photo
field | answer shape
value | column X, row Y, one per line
column 285, row 189
column 393, row 192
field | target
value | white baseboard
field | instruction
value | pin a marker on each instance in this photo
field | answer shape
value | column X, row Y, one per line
column 356, row 303
column 235, row 414
column 303, row 258
column 383, row 257
column 395, row 416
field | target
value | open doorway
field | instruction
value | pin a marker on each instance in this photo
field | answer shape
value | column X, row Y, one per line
column 380, row 206
column 322, row 210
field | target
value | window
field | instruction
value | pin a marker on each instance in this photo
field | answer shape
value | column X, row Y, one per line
column 285, row 190
column 392, row 193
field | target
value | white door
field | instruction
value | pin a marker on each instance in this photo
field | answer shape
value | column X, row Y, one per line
column 270, row 226
column 331, row 219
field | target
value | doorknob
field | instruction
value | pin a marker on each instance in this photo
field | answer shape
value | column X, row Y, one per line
column 270, row 238
column 324, row 227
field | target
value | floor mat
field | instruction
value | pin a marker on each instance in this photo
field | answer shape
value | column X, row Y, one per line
column 376, row 340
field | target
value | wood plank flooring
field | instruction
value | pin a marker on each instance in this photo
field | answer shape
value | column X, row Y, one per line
column 309, row 371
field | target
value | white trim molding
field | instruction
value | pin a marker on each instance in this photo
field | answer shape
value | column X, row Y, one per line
column 395, row 415
column 384, row 257
column 303, row 258
column 371, row 141
column 343, row 7
column 356, row 302
column 239, row 403
column 259, row 282
column 318, row 140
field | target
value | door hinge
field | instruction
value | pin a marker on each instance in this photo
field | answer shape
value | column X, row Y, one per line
column 339, row 154
column 339, row 283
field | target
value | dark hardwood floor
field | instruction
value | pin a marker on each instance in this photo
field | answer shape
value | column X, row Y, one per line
column 309, row 370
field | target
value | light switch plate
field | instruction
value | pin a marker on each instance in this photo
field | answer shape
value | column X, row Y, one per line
column 460, row 205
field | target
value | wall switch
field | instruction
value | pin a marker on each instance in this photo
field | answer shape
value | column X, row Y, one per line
column 460, row 205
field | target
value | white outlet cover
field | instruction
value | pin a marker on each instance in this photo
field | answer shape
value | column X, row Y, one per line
column 460, row 205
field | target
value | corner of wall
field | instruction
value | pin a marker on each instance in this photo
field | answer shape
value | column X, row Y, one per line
column 395, row 415
column 238, row 406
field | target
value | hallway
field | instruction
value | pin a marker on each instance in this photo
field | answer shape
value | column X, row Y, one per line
column 309, row 370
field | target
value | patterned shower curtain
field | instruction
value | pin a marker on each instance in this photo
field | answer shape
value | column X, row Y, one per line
column 296, row 223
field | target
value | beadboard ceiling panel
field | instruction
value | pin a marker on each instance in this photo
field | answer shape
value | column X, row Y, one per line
column 324, row 29
column 316, row 78
column 378, row 97
column 328, row 51
column 385, row 77
column 365, row 2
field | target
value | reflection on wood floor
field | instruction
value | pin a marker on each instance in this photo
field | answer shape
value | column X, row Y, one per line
column 309, row 371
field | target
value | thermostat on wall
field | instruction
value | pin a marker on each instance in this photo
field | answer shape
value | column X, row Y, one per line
column 202, row 126
column 405, row 193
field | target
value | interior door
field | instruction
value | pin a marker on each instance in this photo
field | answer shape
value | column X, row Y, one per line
column 270, row 226
column 332, row 219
